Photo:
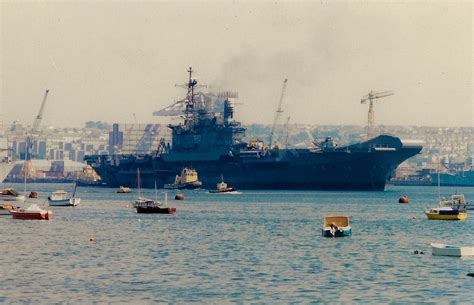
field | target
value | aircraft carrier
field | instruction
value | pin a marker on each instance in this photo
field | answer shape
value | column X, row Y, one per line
column 212, row 143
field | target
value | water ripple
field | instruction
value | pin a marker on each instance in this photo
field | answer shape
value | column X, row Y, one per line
column 256, row 247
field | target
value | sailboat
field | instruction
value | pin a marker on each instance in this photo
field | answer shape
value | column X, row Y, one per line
column 140, row 199
column 453, row 208
column 61, row 198
column 155, row 207
column 33, row 211
column 150, row 206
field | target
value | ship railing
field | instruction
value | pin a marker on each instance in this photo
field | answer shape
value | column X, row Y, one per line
column 250, row 153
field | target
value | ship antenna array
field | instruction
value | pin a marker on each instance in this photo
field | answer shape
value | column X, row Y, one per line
column 371, row 97
column 190, row 86
column 278, row 112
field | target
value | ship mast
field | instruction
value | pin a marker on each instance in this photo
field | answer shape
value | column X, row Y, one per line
column 189, row 111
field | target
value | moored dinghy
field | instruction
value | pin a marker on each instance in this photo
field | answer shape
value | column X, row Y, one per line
column 336, row 226
column 448, row 250
column 32, row 212
column 61, row 198
column 124, row 190
column 6, row 208
column 10, row 194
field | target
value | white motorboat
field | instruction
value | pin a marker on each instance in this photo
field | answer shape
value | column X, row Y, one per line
column 448, row 250
column 61, row 198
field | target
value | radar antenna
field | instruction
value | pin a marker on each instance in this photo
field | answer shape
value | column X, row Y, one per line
column 191, row 85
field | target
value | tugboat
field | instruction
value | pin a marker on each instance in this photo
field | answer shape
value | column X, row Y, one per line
column 187, row 180
column 222, row 187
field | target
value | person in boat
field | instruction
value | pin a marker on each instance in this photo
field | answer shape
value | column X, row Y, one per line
column 332, row 230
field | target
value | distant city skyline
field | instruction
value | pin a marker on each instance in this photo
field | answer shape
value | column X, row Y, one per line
column 118, row 61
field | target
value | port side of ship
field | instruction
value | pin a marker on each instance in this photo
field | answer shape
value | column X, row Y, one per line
column 363, row 166
column 213, row 145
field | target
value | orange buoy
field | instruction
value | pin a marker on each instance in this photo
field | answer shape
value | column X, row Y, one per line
column 403, row 199
column 179, row 197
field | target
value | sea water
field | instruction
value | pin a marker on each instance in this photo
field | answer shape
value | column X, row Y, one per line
column 253, row 247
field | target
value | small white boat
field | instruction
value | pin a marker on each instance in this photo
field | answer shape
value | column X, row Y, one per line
column 61, row 198
column 447, row 250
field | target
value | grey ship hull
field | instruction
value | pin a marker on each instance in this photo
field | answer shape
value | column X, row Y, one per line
column 459, row 179
column 363, row 166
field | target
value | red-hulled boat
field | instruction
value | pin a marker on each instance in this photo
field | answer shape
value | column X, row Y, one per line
column 32, row 212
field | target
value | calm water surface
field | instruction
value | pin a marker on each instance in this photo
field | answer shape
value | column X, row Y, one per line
column 258, row 246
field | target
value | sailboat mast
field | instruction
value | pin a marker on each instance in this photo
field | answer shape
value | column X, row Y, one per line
column 439, row 183
column 139, row 183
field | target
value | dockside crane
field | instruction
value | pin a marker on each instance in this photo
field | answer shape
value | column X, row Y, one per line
column 39, row 117
column 277, row 113
column 287, row 134
column 371, row 97
column 33, row 132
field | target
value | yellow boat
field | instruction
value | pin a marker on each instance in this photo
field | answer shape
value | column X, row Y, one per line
column 449, row 209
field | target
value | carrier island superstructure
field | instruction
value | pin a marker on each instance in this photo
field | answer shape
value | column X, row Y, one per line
column 212, row 144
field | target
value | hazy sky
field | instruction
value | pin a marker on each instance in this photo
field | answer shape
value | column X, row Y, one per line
column 106, row 60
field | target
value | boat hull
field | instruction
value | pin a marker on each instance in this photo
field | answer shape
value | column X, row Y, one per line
column 5, row 209
column 227, row 190
column 453, row 216
column 341, row 232
column 64, row 202
column 47, row 215
column 20, row 198
column 447, row 250
column 356, row 167
column 155, row 210
column 183, row 186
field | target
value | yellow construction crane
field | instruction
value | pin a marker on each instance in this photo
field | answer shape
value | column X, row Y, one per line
column 371, row 97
